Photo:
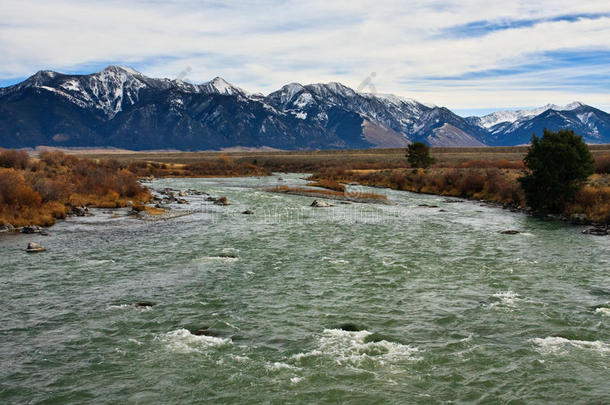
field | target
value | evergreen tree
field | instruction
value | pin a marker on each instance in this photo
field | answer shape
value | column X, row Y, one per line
column 558, row 165
column 418, row 155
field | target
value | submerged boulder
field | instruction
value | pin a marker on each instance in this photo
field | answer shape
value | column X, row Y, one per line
column 248, row 212
column 596, row 231
column 579, row 219
column 205, row 331
column 227, row 256
column 321, row 204
column 510, row 232
column 83, row 211
column 222, row 201
column 34, row 247
column 144, row 304
column 30, row 229
column 6, row 228
column 350, row 327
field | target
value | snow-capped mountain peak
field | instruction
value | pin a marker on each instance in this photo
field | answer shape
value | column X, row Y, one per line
column 332, row 89
column 511, row 116
column 573, row 105
column 119, row 69
column 221, row 86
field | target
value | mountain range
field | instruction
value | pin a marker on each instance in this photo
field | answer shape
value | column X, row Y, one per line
column 120, row 107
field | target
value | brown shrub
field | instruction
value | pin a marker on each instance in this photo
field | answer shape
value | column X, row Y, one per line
column 498, row 164
column 54, row 158
column 127, row 184
column 15, row 192
column 16, row 159
column 592, row 201
column 602, row 163
column 470, row 183
column 52, row 189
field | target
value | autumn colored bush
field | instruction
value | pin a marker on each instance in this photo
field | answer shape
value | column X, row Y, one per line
column 14, row 191
column 38, row 191
column 491, row 184
column 594, row 202
column 52, row 188
column 498, row 164
column 602, row 164
column 15, row 159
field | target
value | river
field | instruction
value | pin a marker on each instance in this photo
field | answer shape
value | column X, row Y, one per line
column 357, row 303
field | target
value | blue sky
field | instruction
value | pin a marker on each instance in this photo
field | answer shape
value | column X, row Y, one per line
column 471, row 56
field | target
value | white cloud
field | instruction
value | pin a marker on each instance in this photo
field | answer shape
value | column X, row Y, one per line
column 263, row 45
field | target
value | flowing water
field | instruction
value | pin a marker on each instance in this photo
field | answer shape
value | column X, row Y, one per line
column 352, row 304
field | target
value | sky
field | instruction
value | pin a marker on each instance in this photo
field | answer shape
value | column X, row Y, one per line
column 473, row 57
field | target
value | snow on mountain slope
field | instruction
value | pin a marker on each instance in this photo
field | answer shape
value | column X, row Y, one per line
column 492, row 119
column 121, row 107
column 219, row 85
column 450, row 136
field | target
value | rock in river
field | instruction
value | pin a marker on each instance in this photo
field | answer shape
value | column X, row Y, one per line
column 222, row 201
column 144, row 304
column 509, row 232
column 596, row 231
column 30, row 229
column 205, row 331
column 320, row 204
column 7, row 228
column 34, row 247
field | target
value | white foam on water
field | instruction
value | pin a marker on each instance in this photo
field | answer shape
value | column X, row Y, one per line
column 339, row 261
column 240, row 359
column 278, row 365
column 335, row 261
column 603, row 311
column 301, row 356
column 215, row 259
column 183, row 341
column 559, row 345
column 121, row 306
column 507, row 298
column 296, row 380
column 93, row 262
column 230, row 325
column 345, row 347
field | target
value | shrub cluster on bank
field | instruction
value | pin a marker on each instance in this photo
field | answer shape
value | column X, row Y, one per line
column 37, row 191
column 483, row 181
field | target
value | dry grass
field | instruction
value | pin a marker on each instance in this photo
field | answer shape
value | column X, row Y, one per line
column 324, row 193
column 602, row 163
column 246, row 163
column 493, row 184
column 594, row 202
column 328, row 184
column 154, row 210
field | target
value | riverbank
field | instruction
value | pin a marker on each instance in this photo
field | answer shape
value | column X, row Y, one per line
column 38, row 191
column 56, row 183
column 494, row 185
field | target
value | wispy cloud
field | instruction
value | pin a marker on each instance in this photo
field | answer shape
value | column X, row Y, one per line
column 463, row 54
